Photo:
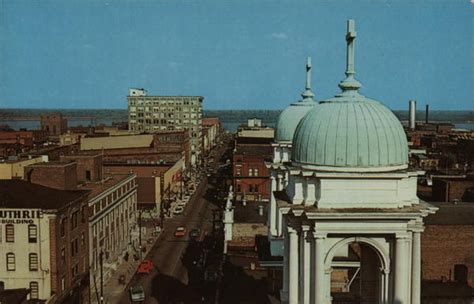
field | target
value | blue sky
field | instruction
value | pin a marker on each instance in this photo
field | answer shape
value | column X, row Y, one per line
column 237, row 54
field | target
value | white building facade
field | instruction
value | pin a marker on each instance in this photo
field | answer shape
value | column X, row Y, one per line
column 113, row 229
column 25, row 250
column 346, row 204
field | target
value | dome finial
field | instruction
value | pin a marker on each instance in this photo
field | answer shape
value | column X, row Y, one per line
column 308, row 94
column 350, row 83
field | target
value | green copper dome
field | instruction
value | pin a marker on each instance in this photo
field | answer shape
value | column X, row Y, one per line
column 350, row 133
column 291, row 116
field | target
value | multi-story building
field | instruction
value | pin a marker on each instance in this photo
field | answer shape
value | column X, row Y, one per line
column 113, row 231
column 14, row 168
column 159, row 148
column 43, row 243
column 150, row 114
column 54, row 123
column 251, row 176
column 211, row 129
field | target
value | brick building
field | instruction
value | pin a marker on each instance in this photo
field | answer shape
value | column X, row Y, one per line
column 151, row 114
column 158, row 148
column 251, row 176
column 447, row 251
column 449, row 189
column 14, row 168
column 53, row 123
column 60, row 175
column 89, row 165
column 211, row 127
column 45, row 248
column 155, row 182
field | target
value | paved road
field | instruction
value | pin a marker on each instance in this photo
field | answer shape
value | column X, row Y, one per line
column 169, row 281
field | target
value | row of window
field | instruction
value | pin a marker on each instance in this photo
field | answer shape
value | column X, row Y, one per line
column 10, row 233
column 32, row 261
column 251, row 188
column 142, row 101
column 112, row 197
column 251, row 172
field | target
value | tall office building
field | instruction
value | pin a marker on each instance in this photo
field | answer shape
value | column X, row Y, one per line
column 148, row 114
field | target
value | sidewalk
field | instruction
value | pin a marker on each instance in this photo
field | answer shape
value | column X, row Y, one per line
column 112, row 288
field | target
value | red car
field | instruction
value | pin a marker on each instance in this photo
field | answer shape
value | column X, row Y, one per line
column 145, row 266
column 180, row 231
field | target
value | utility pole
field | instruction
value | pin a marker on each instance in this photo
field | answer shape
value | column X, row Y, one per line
column 140, row 233
column 101, row 258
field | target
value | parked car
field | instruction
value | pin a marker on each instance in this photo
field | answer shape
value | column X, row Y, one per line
column 145, row 266
column 180, row 231
column 194, row 233
column 137, row 294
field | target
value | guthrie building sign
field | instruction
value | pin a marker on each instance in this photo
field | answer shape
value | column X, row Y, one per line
column 12, row 216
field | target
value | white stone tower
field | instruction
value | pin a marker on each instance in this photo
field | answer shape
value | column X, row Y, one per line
column 351, row 216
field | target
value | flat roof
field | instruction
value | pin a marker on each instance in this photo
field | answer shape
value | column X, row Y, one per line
column 451, row 214
column 110, row 181
column 249, row 213
column 22, row 194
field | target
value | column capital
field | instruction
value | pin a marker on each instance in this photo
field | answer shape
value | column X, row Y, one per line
column 319, row 236
column 291, row 230
column 272, row 177
column 403, row 236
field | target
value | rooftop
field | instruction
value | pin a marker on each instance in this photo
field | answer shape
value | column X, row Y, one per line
column 102, row 186
column 249, row 213
column 452, row 214
column 21, row 194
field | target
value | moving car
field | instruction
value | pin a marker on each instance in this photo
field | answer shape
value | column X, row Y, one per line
column 178, row 210
column 180, row 231
column 137, row 293
column 145, row 266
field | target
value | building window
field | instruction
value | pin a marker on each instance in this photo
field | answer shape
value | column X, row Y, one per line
column 10, row 261
column 238, row 171
column 63, row 255
column 250, row 172
column 34, row 290
column 74, row 217
column 32, row 233
column 33, row 261
column 255, row 172
column 63, row 283
column 255, row 188
column 63, row 226
column 2, row 286
column 239, row 188
column 88, row 175
column 250, row 188
column 83, row 214
column 74, row 247
column 9, row 233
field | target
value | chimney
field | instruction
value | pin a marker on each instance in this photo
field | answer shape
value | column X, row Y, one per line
column 412, row 114
column 427, row 113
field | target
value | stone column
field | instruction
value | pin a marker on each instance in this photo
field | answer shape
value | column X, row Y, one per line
column 416, row 269
column 286, row 252
column 280, row 182
column 276, row 155
column 401, row 270
column 293, row 255
column 307, row 236
column 319, row 271
column 272, row 214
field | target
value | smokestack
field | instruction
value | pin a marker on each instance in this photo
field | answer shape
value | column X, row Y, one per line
column 427, row 114
column 412, row 115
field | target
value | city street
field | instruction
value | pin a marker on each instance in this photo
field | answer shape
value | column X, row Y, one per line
column 173, row 257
